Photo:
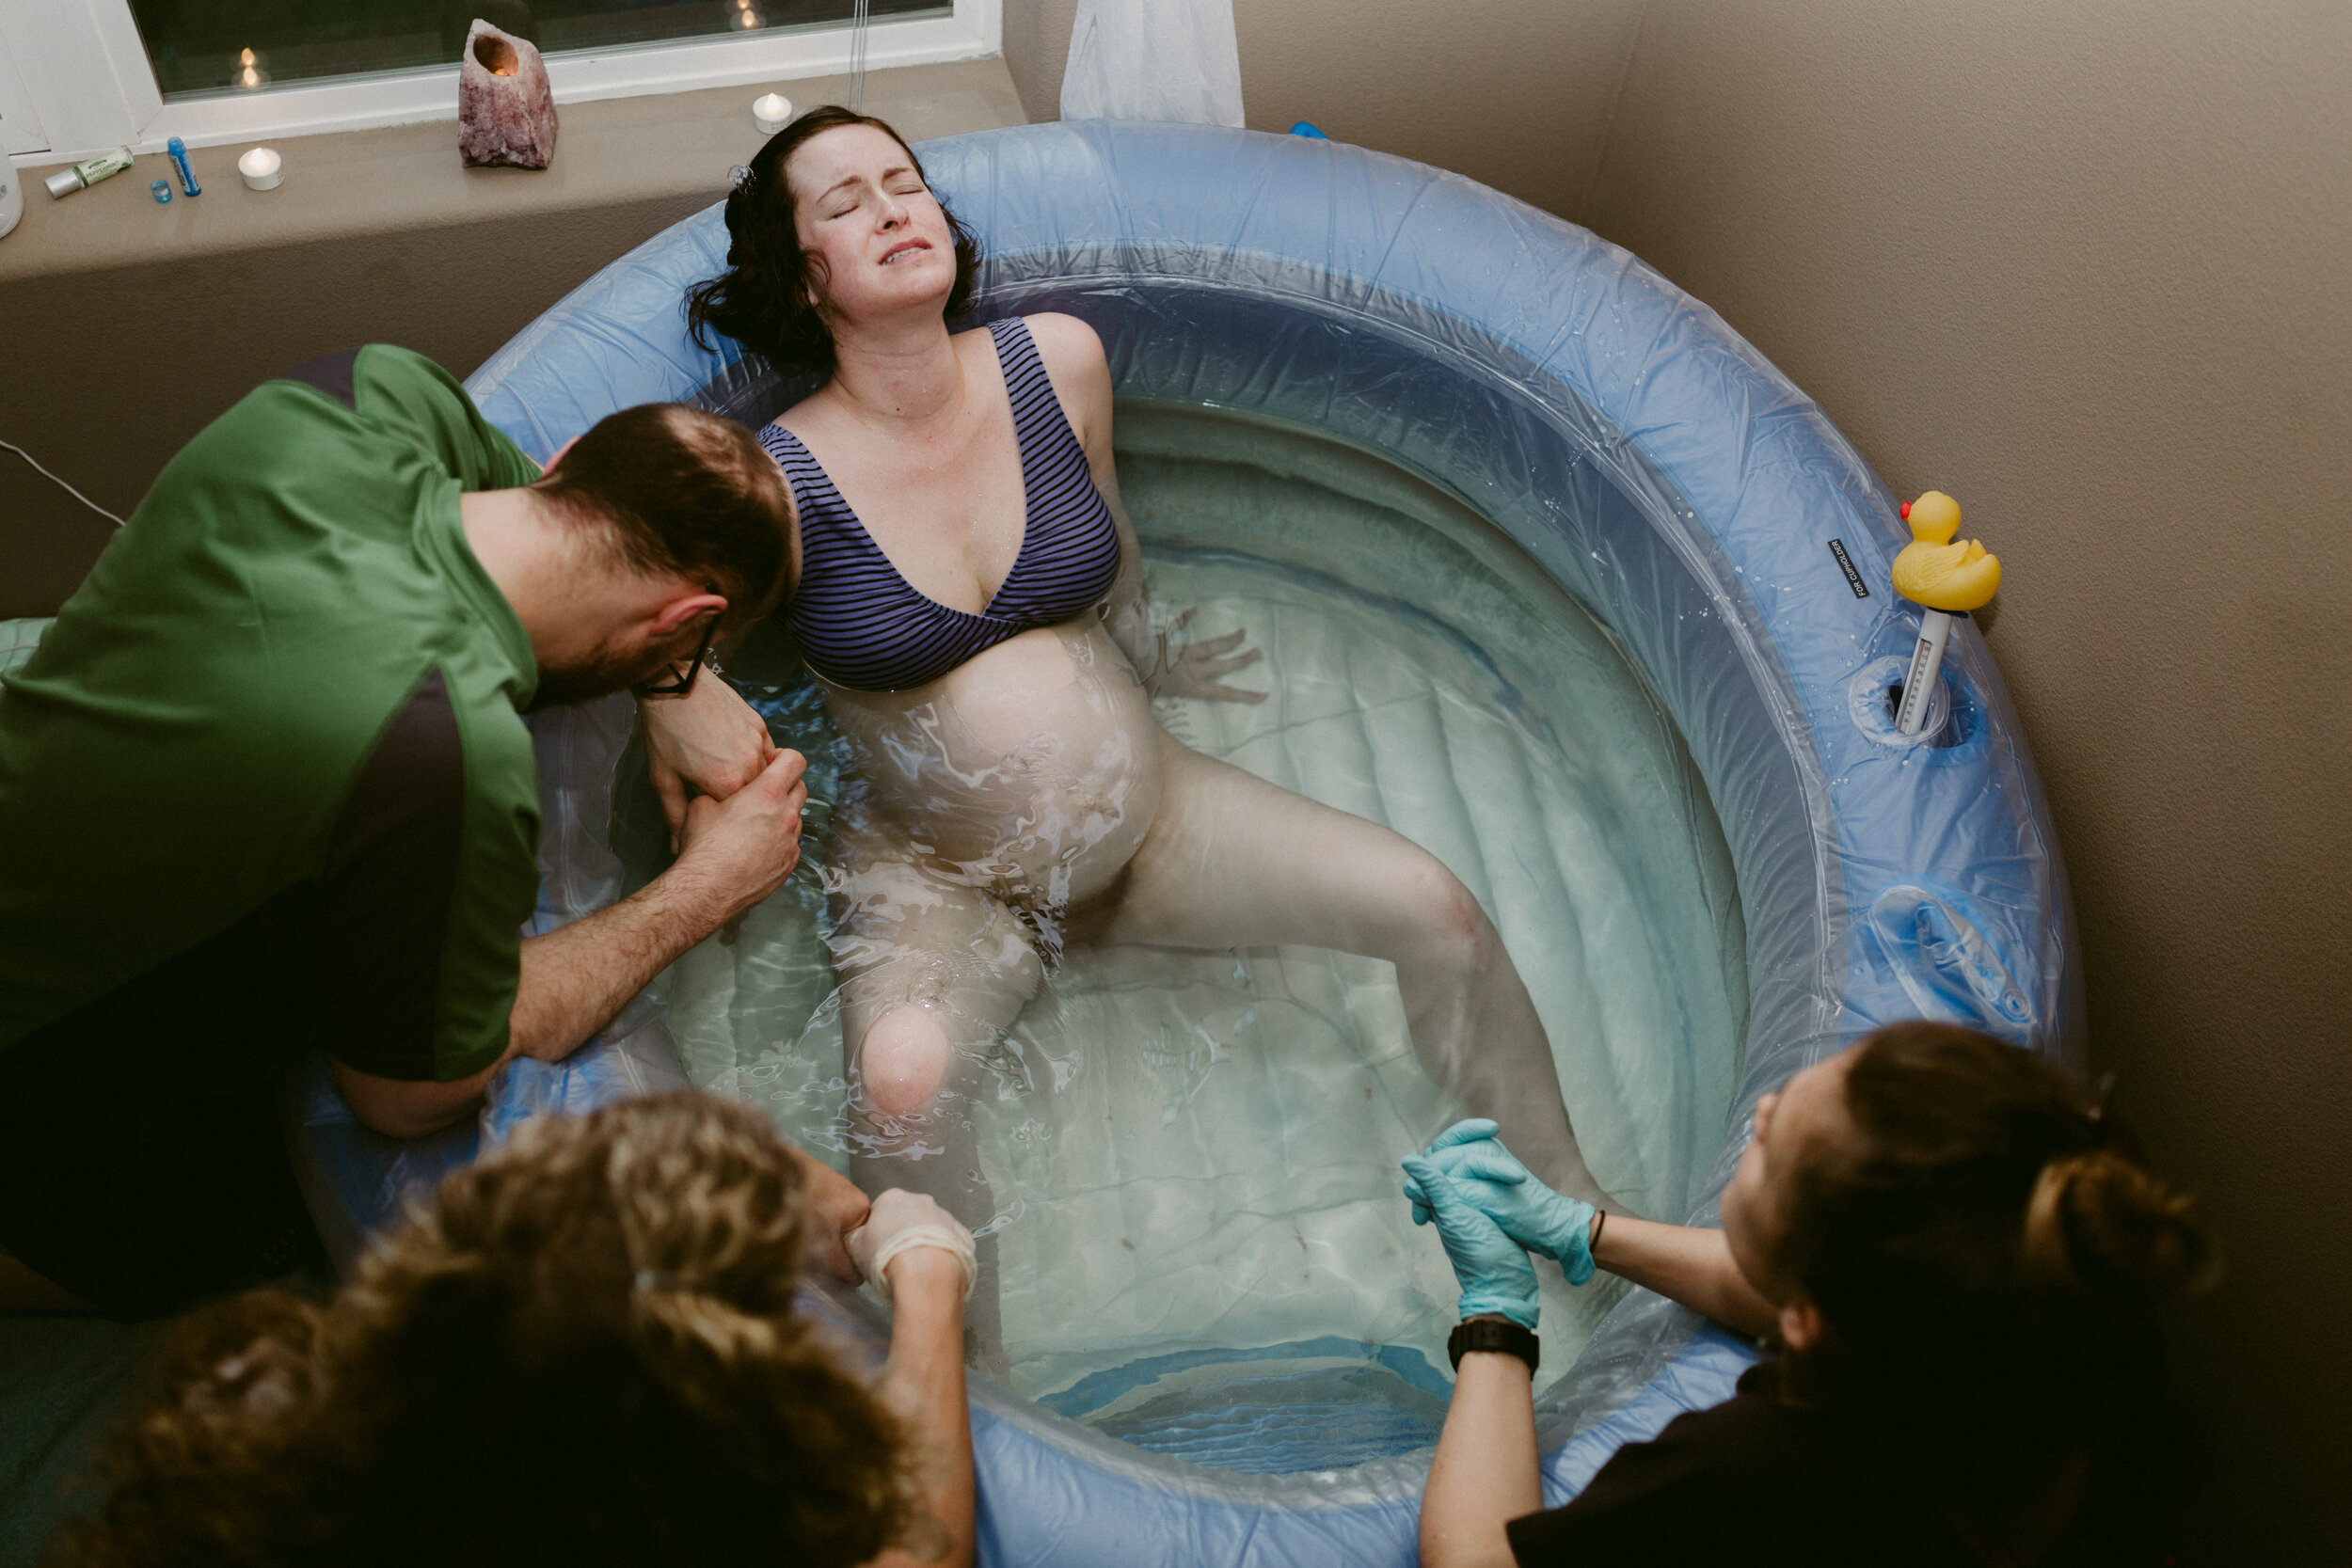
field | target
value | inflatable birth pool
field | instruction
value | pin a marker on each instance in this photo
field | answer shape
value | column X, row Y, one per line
column 1494, row 371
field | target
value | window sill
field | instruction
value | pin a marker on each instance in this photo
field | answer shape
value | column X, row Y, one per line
column 345, row 184
column 130, row 325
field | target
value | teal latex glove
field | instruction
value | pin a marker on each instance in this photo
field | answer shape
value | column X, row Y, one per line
column 1531, row 1213
column 1492, row 1268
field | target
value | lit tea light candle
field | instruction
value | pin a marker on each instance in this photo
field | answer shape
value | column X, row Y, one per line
column 771, row 112
column 261, row 169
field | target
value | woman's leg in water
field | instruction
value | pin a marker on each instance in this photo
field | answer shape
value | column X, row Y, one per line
column 1232, row 861
column 931, row 971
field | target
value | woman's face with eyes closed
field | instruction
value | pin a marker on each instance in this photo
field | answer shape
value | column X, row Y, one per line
column 876, row 238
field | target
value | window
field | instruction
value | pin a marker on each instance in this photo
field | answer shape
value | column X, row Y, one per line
column 200, row 47
column 80, row 75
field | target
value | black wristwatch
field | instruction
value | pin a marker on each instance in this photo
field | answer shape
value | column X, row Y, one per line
column 1496, row 1333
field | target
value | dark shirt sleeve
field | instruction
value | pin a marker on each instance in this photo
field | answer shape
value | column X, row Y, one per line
column 1752, row 1481
column 394, row 1001
column 1676, row 1500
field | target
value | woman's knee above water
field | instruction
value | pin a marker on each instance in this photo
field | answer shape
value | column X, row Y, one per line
column 902, row 1063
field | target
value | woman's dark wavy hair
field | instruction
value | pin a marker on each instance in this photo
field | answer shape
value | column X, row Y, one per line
column 586, row 1352
column 1987, row 1253
column 762, row 299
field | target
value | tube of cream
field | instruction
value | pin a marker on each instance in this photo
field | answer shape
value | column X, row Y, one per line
column 88, row 172
column 179, row 152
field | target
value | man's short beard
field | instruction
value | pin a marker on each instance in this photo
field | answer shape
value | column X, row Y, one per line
column 602, row 673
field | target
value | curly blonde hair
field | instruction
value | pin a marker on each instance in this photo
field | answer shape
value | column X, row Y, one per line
column 584, row 1353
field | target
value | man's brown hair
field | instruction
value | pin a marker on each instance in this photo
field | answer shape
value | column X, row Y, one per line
column 685, row 493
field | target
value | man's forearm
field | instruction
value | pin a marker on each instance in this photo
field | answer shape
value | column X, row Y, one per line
column 574, row 980
column 1485, row 1474
column 572, row 983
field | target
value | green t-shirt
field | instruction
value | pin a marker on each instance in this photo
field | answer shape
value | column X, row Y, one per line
column 288, row 689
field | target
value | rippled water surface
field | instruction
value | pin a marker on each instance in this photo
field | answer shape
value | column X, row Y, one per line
column 1195, row 1155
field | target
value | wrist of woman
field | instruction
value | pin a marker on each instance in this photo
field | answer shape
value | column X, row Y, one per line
column 923, row 1272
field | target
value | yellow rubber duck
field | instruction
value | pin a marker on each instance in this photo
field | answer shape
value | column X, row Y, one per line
column 1935, row 572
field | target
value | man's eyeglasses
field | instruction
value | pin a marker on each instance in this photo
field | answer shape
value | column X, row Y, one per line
column 684, row 684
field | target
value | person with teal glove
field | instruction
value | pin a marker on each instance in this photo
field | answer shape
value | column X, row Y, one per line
column 1958, row 1256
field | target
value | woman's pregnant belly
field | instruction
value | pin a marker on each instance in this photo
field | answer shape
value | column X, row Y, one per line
column 1031, row 770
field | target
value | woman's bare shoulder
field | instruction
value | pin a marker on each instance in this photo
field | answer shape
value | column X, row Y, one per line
column 803, row 414
column 1066, row 344
column 1073, row 360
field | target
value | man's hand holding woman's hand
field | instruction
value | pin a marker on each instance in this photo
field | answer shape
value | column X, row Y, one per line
column 738, row 850
column 710, row 740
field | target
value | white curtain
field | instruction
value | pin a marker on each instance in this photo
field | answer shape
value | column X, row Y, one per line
column 1153, row 59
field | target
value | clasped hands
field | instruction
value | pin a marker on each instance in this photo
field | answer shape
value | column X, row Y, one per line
column 1490, row 1212
column 856, row 1241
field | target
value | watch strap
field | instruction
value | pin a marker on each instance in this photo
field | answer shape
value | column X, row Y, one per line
column 1494, row 1333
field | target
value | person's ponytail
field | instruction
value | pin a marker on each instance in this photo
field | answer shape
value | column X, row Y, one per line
column 1987, row 1252
column 2100, row 1226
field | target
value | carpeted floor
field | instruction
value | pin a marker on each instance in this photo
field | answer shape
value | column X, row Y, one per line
column 65, row 1383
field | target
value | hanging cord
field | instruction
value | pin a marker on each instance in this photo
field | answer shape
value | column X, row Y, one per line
column 68, row 488
column 858, row 18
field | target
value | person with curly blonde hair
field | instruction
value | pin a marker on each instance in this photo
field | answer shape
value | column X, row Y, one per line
column 586, row 1352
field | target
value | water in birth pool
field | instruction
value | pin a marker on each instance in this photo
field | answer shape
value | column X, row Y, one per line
column 1194, row 1156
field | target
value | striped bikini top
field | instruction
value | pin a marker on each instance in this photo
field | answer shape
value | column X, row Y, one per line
column 861, row 625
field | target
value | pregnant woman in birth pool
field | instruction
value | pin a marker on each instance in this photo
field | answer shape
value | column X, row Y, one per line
column 968, row 593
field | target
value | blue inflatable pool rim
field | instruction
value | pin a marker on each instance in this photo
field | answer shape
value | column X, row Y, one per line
column 1650, row 460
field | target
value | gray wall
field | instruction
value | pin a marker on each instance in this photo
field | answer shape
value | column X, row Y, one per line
column 1514, row 93
column 2088, row 267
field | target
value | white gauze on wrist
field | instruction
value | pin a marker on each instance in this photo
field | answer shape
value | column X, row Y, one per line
column 946, row 1240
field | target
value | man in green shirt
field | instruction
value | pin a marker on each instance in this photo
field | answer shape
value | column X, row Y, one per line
column 266, row 785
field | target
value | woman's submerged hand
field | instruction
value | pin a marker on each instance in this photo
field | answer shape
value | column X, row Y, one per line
column 1491, row 1268
column 710, row 740
column 838, row 1210
column 1491, row 1177
column 1192, row 669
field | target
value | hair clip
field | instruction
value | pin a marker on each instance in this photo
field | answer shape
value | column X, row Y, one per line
column 2100, row 1092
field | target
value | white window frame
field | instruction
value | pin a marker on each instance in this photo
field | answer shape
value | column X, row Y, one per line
column 81, row 82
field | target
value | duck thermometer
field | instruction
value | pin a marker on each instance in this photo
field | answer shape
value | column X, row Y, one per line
column 1944, row 579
